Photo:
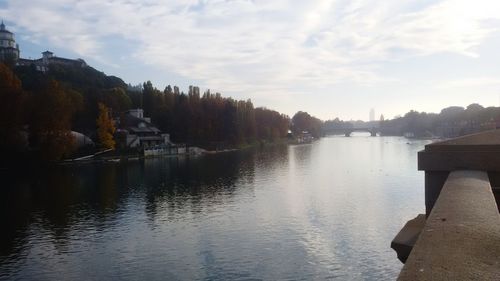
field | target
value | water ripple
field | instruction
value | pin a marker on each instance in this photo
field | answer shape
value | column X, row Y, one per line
column 325, row 211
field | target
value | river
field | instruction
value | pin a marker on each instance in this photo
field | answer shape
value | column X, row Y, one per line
column 326, row 210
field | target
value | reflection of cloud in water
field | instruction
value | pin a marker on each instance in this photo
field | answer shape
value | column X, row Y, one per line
column 328, row 209
column 347, row 199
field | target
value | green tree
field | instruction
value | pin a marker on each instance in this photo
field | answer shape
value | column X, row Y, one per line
column 116, row 99
column 302, row 121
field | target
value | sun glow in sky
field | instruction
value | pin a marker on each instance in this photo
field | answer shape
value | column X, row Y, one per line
column 330, row 58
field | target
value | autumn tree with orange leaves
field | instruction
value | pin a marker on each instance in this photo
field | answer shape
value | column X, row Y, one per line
column 105, row 128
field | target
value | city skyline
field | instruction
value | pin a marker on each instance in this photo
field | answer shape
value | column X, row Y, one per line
column 329, row 58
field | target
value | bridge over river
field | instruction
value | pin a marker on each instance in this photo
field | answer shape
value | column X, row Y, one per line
column 348, row 131
column 372, row 130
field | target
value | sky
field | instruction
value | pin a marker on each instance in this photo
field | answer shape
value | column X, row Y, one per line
column 327, row 57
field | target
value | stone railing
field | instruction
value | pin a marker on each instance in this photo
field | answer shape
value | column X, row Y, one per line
column 459, row 236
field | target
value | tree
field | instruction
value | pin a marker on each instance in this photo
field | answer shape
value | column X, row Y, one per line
column 148, row 98
column 50, row 123
column 12, row 109
column 475, row 107
column 105, row 128
column 116, row 99
column 302, row 121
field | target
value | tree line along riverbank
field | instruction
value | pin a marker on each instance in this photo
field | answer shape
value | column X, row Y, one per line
column 41, row 112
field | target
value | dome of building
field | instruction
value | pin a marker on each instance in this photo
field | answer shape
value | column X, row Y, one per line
column 8, row 47
column 5, row 34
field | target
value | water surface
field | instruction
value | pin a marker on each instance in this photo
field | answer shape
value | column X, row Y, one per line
column 326, row 210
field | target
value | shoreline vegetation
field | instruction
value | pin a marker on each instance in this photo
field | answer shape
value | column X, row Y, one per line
column 42, row 113
column 123, row 158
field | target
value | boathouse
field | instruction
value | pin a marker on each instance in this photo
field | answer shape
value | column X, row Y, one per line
column 137, row 131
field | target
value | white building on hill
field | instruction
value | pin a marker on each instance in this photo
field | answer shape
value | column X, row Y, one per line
column 9, row 50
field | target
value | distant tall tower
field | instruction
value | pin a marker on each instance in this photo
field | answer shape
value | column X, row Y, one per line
column 9, row 50
column 372, row 114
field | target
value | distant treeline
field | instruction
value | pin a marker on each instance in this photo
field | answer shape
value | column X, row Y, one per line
column 450, row 122
column 336, row 126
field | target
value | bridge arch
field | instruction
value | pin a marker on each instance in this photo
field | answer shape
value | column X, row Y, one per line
column 373, row 131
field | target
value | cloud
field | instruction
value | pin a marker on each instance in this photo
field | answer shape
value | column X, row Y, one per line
column 471, row 82
column 261, row 48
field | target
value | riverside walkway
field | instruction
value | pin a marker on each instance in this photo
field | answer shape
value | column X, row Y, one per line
column 459, row 236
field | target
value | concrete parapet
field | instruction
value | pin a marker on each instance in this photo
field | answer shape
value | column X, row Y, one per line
column 473, row 152
column 461, row 237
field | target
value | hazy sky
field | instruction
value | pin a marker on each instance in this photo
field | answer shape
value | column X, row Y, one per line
column 330, row 58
